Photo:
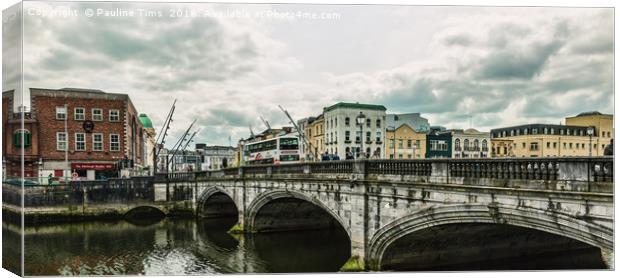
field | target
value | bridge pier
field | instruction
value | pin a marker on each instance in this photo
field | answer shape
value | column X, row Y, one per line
column 608, row 257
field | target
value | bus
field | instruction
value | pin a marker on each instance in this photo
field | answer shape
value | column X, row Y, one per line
column 279, row 150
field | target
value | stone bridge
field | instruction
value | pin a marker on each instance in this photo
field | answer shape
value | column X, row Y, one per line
column 382, row 205
column 438, row 213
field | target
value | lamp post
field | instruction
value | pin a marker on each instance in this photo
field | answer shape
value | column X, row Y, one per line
column 361, row 120
column 393, row 141
column 590, row 132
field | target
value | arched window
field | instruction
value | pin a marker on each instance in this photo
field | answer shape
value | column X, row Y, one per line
column 17, row 138
column 457, row 144
column 476, row 145
column 466, row 145
column 485, row 147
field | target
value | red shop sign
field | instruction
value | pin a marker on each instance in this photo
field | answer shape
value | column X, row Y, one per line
column 92, row 166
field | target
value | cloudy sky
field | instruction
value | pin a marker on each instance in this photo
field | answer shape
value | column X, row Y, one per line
column 459, row 66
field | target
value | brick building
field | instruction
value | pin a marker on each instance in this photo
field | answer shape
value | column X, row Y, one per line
column 77, row 131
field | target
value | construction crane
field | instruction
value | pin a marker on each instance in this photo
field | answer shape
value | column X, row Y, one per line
column 301, row 132
column 266, row 123
column 162, row 135
column 178, row 144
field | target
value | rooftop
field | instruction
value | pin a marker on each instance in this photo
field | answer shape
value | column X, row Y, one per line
column 356, row 105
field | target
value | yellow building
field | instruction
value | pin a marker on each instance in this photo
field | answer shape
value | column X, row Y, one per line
column 315, row 132
column 543, row 140
column 405, row 143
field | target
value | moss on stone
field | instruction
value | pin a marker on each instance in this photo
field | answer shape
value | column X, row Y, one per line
column 237, row 229
column 354, row 263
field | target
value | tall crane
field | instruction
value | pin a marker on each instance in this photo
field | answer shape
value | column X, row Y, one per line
column 301, row 132
column 162, row 135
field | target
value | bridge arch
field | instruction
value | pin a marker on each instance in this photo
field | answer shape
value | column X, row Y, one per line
column 266, row 197
column 554, row 223
column 145, row 214
column 214, row 201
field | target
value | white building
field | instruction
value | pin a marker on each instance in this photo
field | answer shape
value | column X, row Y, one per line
column 215, row 157
column 343, row 134
column 470, row 143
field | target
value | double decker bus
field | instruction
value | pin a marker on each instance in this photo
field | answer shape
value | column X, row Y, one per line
column 279, row 150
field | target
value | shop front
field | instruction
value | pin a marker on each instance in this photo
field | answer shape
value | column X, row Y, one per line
column 94, row 171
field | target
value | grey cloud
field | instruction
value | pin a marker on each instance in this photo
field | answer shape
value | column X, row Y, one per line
column 515, row 64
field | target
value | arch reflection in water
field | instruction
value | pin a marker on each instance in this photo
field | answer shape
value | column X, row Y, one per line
column 475, row 246
column 319, row 243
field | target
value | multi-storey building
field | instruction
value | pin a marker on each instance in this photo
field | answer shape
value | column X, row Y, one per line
column 414, row 120
column 215, row 157
column 583, row 135
column 316, row 133
column 343, row 133
column 149, row 143
column 501, row 147
column 309, row 151
column 405, row 143
column 470, row 143
column 77, row 133
column 438, row 144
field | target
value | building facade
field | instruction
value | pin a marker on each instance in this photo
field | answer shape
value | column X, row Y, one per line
column 544, row 140
column 149, row 143
column 439, row 144
column 405, row 143
column 316, row 133
column 501, row 147
column 344, row 135
column 215, row 157
column 414, row 120
column 470, row 143
column 81, row 134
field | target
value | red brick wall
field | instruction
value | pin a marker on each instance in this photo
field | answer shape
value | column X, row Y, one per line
column 48, row 126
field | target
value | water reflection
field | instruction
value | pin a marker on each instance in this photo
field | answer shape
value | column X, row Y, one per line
column 175, row 246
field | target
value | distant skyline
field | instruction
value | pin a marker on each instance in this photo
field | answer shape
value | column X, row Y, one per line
column 499, row 66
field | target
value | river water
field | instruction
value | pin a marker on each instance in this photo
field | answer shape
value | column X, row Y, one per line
column 173, row 246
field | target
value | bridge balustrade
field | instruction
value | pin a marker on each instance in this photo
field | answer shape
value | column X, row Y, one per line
column 331, row 167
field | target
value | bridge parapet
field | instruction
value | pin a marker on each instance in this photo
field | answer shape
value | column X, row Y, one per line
column 564, row 174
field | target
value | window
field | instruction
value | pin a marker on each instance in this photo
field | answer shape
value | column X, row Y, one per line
column 581, row 133
column 97, row 114
column 466, row 145
column 400, row 156
column 114, row 115
column 79, row 114
column 368, row 121
column 358, row 136
column 335, row 122
column 525, row 131
column 523, row 144
column 417, row 144
column 115, row 144
column 548, row 145
column 570, row 145
column 400, row 143
column 347, row 121
column 534, row 131
column 391, row 156
column 583, row 145
column 555, row 145
column 379, row 123
column 552, row 131
column 504, row 133
column 368, row 136
column 512, row 133
column 409, row 143
column 561, row 132
column 457, row 144
column 379, row 137
column 545, row 131
column 518, row 132
column 347, row 136
column 485, row 147
column 533, row 146
column 476, row 145
column 564, row 145
column 61, row 113
column 80, row 142
column 17, row 138
column 61, row 141
column 97, row 142
column 392, row 143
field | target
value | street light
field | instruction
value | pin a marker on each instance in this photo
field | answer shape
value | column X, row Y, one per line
column 590, row 132
column 361, row 120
